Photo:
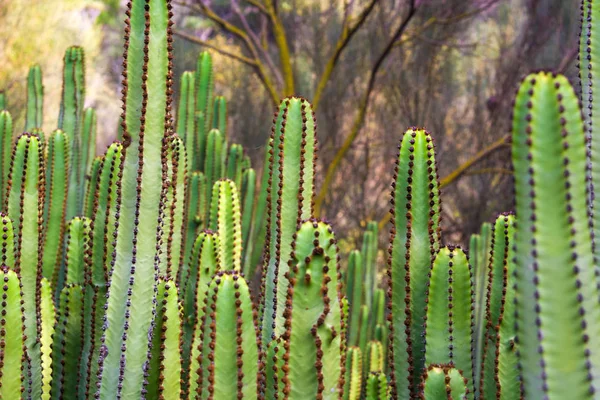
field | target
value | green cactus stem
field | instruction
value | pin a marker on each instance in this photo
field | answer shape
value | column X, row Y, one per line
column 204, row 88
column 225, row 219
column 185, row 113
column 443, row 382
column 195, row 213
column 173, row 199
column 67, row 345
column 274, row 373
column 354, row 289
column 220, row 115
column 47, row 318
column 234, row 163
column 24, row 205
column 290, row 189
column 557, row 309
column 416, row 236
column 146, row 121
column 164, row 380
column 313, row 337
column 70, row 121
column 6, row 129
column 377, row 386
column 34, row 116
column 204, row 263
column 259, row 227
column 12, row 336
column 479, row 258
column 90, row 193
column 230, row 340
column 449, row 313
column 502, row 240
column 353, row 379
column 88, row 148
column 57, row 184
column 375, row 360
column 213, row 162
column 369, row 253
column 200, row 137
column 248, row 190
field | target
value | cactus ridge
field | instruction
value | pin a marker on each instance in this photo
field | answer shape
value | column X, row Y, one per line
column 443, row 381
column 415, row 211
column 35, row 99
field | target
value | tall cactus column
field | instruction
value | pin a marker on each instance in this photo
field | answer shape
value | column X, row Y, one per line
column 415, row 241
column 557, row 313
column 290, row 193
column 146, row 120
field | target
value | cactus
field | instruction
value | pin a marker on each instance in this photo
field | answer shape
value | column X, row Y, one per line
column 556, row 289
column 369, row 256
column 87, row 148
column 313, row 339
column 24, row 205
column 186, row 112
column 375, row 359
column 195, row 215
column 479, row 258
column 449, row 313
column 220, row 115
column 164, row 381
column 414, row 243
column 12, row 337
column 248, row 189
column 204, row 88
column 35, row 99
column 227, row 370
column 354, row 290
column 377, row 386
column 225, row 219
column 47, row 317
column 92, row 182
column 497, row 291
column 203, row 265
column 6, row 128
column 443, row 381
column 55, row 202
column 70, row 121
column 290, row 194
column 3, row 101
column 234, row 163
column 353, row 379
column 132, row 278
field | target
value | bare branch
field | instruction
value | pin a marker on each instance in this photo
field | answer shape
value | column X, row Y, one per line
column 218, row 49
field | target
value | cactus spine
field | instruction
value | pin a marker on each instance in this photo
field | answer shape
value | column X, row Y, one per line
column 556, row 285
column 6, row 128
column 204, row 88
column 147, row 82
column 415, row 241
column 225, row 219
column 353, row 378
column 35, row 99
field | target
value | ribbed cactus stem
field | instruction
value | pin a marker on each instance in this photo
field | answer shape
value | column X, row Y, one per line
column 55, row 203
column 47, row 318
column 24, row 205
column 375, row 359
column 225, row 219
column 230, row 353
column 146, row 121
column 200, row 137
column 186, row 109
column 70, row 121
column 90, row 191
column 557, row 309
column 259, row 227
column 88, row 148
column 274, row 371
column 354, row 292
column 6, row 129
column 443, row 382
column 204, row 88
column 353, row 379
column 313, row 322
column 234, row 164
column 195, row 213
column 213, row 162
column 479, row 258
column 35, row 99
column 415, row 240
column 12, row 336
column 248, row 191
column 369, row 253
column 377, row 386
column 502, row 240
column 204, row 263
column 449, row 313
column 290, row 188
column 220, row 115
column 164, row 380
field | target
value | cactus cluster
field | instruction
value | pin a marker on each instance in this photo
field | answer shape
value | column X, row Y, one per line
column 135, row 274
